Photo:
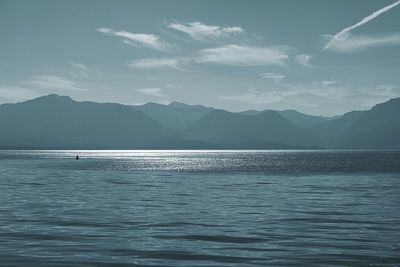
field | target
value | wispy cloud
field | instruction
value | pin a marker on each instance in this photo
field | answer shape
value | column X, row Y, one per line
column 16, row 94
column 139, row 39
column 243, row 55
column 79, row 70
column 54, row 83
column 387, row 90
column 304, row 59
column 344, row 34
column 156, row 63
column 322, row 97
column 230, row 55
column 205, row 33
column 79, row 66
column 354, row 43
column 252, row 96
column 272, row 76
column 156, row 91
column 327, row 83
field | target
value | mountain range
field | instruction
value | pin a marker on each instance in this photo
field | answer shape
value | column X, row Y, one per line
column 58, row 122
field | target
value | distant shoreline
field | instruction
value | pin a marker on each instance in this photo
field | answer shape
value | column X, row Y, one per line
column 56, row 122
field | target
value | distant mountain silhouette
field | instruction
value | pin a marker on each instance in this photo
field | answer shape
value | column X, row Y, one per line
column 175, row 115
column 297, row 118
column 58, row 122
column 220, row 126
column 374, row 129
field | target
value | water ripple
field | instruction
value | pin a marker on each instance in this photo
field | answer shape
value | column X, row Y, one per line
column 206, row 208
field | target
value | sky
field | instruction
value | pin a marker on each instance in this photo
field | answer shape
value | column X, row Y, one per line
column 316, row 56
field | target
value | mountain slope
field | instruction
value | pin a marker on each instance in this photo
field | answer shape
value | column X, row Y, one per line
column 375, row 128
column 175, row 115
column 220, row 126
column 59, row 122
column 297, row 118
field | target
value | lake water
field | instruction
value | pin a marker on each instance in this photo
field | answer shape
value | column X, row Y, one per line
column 200, row 208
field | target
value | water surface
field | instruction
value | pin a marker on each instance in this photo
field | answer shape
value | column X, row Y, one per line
column 200, row 208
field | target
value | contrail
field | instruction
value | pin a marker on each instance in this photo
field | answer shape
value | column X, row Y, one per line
column 362, row 22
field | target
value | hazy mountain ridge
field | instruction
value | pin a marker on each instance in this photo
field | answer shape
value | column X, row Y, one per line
column 297, row 118
column 376, row 128
column 222, row 126
column 175, row 115
column 58, row 122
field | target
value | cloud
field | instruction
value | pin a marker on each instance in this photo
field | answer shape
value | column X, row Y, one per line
column 80, row 70
column 388, row 90
column 327, row 83
column 157, row 92
column 79, row 74
column 304, row 59
column 205, row 33
column 359, row 42
column 16, row 94
column 156, row 63
column 54, row 83
column 272, row 76
column 243, row 55
column 327, row 97
column 79, row 66
column 129, row 43
column 139, row 39
column 343, row 34
column 254, row 97
column 231, row 55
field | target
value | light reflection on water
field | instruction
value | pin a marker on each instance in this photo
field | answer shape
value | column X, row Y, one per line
column 200, row 208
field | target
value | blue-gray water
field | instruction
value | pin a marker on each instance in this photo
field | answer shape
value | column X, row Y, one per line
column 200, row 208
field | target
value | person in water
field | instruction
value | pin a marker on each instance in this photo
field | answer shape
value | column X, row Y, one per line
column 77, row 157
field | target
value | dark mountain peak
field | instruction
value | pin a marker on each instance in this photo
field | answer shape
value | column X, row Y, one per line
column 221, row 126
column 374, row 128
column 300, row 119
column 292, row 111
column 175, row 115
column 150, row 105
column 51, row 99
column 55, row 121
column 394, row 100
column 176, row 104
column 390, row 105
column 56, row 97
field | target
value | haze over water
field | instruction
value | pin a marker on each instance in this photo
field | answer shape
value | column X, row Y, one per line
column 200, row 208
